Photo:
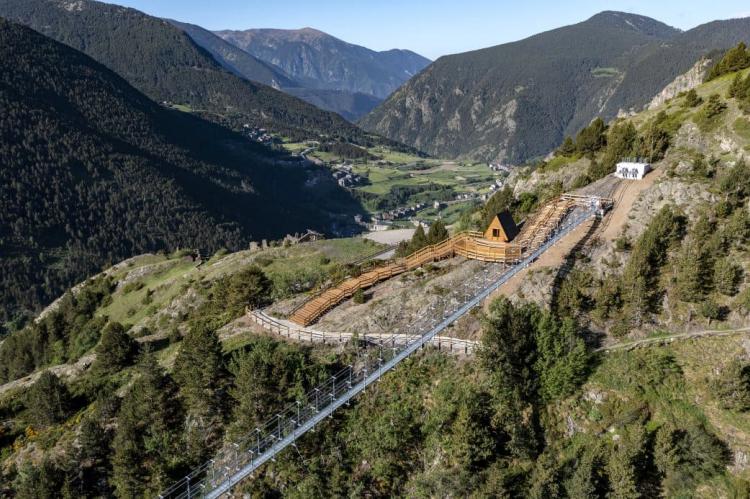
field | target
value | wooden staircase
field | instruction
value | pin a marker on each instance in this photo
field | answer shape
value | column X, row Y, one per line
column 468, row 244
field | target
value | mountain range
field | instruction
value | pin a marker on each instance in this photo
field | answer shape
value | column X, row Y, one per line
column 517, row 101
column 164, row 63
column 336, row 96
column 318, row 60
column 94, row 171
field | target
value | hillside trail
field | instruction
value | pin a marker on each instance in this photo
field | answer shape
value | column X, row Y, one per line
column 661, row 340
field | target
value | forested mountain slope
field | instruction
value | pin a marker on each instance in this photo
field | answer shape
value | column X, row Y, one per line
column 93, row 172
column 517, row 101
column 164, row 63
column 319, row 60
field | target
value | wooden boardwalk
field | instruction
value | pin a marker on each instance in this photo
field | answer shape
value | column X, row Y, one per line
column 469, row 244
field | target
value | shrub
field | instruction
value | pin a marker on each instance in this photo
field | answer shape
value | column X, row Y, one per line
column 732, row 386
column 710, row 309
column 358, row 297
column 714, row 107
column 727, row 276
column 692, row 99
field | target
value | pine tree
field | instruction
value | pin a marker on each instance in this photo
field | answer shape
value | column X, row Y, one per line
column 735, row 59
column 437, row 233
column 655, row 139
column 472, row 444
column 691, row 281
column 562, row 357
column 39, row 481
column 736, row 88
column 145, row 446
column 115, row 350
column 48, row 400
column 419, row 239
column 200, row 372
column 567, row 148
column 92, row 457
column 585, row 481
column 726, row 276
column 592, row 138
column 713, row 107
column 545, row 479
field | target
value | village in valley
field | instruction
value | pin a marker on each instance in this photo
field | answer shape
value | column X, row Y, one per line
column 401, row 190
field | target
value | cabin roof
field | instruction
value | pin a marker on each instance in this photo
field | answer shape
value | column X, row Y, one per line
column 506, row 222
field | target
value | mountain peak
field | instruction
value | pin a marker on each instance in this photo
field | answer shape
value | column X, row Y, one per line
column 634, row 22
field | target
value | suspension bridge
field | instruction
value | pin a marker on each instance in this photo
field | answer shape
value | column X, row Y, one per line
column 237, row 461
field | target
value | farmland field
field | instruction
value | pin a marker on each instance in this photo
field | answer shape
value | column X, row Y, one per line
column 393, row 179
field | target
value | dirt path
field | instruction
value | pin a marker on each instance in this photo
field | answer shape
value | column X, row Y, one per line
column 625, row 195
column 661, row 340
column 390, row 237
column 553, row 257
column 625, row 198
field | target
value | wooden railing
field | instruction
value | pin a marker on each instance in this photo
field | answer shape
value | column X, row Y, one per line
column 293, row 332
column 468, row 244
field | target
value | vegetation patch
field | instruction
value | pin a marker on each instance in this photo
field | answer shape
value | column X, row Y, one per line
column 605, row 72
column 742, row 128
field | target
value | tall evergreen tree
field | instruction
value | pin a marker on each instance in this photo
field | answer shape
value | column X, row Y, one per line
column 146, row 443
column 48, row 400
column 592, row 138
column 115, row 350
column 200, row 372
column 437, row 233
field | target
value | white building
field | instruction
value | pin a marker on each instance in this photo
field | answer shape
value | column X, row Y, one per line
column 632, row 170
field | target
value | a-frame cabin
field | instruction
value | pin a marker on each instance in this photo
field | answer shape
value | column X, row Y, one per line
column 502, row 228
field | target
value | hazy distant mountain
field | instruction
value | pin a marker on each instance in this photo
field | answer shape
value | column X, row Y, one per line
column 235, row 59
column 318, row 60
column 350, row 105
column 93, row 172
column 163, row 62
column 518, row 100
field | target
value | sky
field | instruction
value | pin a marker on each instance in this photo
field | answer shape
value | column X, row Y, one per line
column 429, row 27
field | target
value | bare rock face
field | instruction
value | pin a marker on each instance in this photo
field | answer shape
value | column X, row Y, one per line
column 536, row 287
column 682, row 83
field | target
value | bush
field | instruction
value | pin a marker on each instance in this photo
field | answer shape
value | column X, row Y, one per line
column 358, row 297
column 710, row 309
column 732, row 386
column 714, row 107
column 727, row 276
column 692, row 99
